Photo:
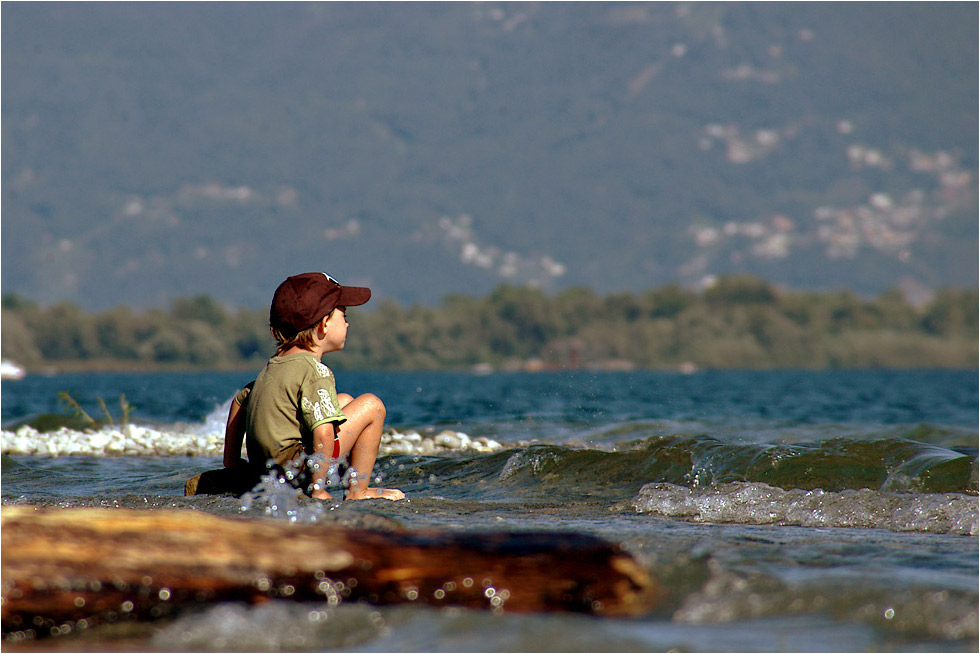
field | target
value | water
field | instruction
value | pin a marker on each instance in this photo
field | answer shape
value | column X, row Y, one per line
column 780, row 511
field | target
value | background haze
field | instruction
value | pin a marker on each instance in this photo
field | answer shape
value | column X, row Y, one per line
column 158, row 150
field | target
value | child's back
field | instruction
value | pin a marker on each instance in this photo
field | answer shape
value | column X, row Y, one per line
column 292, row 395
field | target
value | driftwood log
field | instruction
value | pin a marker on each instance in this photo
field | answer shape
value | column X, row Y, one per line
column 68, row 569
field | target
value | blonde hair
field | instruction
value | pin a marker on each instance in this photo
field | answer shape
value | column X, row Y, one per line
column 304, row 339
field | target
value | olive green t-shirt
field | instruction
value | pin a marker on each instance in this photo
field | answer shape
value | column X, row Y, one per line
column 292, row 396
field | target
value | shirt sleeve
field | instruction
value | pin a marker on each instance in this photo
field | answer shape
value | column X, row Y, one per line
column 319, row 399
column 242, row 396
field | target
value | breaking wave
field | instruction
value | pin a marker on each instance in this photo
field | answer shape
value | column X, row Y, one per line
column 919, row 478
column 134, row 440
column 761, row 504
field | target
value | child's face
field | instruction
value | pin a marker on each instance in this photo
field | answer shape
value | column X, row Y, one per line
column 336, row 329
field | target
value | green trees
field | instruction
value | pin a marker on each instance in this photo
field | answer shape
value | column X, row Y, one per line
column 952, row 313
column 740, row 322
column 194, row 332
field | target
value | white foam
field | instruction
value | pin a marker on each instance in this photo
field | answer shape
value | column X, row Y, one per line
column 206, row 439
column 761, row 504
column 442, row 443
column 126, row 440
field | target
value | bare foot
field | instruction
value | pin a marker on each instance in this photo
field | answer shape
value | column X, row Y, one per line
column 321, row 495
column 376, row 493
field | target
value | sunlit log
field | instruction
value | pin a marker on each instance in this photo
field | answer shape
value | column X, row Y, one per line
column 68, row 569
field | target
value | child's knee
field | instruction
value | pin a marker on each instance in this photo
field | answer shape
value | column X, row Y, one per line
column 344, row 399
column 374, row 404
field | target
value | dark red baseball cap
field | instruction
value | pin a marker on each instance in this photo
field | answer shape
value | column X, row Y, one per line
column 303, row 299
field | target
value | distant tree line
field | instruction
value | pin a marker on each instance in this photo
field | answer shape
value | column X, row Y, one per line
column 740, row 322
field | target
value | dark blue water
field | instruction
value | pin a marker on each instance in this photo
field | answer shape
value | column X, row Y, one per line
column 569, row 400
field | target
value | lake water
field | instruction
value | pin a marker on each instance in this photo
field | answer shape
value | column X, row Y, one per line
column 780, row 511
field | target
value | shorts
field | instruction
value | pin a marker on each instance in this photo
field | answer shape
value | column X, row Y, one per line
column 295, row 450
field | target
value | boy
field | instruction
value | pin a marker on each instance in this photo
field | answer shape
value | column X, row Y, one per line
column 292, row 409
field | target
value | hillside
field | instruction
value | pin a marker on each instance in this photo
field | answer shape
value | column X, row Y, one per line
column 159, row 150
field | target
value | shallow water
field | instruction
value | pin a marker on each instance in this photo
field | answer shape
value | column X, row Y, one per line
column 801, row 511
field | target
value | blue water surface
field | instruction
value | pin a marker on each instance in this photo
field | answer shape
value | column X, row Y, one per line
column 586, row 399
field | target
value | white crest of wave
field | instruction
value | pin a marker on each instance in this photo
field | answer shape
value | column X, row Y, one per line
column 126, row 440
column 205, row 439
column 761, row 504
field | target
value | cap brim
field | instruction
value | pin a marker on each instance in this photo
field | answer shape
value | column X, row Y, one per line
column 352, row 296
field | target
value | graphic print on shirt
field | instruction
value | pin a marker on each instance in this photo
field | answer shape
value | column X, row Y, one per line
column 326, row 407
column 314, row 408
column 326, row 402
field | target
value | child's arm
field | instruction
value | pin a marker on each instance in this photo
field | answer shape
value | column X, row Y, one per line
column 235, row 432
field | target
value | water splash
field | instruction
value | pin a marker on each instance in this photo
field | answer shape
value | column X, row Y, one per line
column 533, row 460
column 283, row 491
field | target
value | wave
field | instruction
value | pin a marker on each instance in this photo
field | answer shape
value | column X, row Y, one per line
column 886, row 463
column 134, row 440
column 549, row 473
column 892, row 483
column 761, row 504
column 835, row 464
column 921, row 458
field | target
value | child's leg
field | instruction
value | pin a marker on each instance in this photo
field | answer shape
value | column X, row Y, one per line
column 361, row 437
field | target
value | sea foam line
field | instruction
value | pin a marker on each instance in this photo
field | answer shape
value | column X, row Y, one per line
column 135, row 440
column 761, row 504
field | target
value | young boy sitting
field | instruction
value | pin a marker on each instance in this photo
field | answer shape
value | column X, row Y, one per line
column 292, row 409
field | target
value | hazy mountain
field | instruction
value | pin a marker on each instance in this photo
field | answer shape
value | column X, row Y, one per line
column 156, row 150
